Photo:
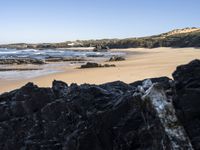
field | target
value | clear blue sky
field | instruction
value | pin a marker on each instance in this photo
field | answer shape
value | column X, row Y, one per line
column 61, row 20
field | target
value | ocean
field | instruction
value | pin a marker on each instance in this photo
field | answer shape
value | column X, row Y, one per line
column 46, row 53
column 13, row 72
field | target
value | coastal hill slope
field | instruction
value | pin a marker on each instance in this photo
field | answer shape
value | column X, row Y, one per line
column 186, row 37
column 180, row 31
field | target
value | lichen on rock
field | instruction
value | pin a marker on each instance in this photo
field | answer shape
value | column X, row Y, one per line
column 156, row 98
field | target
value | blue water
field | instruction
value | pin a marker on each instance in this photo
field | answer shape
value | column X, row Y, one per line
column 43, row 54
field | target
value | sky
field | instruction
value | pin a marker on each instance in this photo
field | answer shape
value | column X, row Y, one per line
column 39, row 21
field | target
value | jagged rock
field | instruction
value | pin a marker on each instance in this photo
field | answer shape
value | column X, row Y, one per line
column 165, row 81
column 143, row 85
column 157, row 101
column 188, row 75
column 117, row 87
column 187, row 99
column 111, row 116
column 60, row 88
column 27, row 100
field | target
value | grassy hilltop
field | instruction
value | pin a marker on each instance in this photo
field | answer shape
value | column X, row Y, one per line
column 187, row 37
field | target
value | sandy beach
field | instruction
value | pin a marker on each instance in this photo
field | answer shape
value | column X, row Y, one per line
column 140, row 63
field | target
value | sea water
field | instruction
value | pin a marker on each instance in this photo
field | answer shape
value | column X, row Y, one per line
column 46, row 53
column 49, row 68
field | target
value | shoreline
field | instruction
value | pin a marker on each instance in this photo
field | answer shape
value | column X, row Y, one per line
column 140, row 63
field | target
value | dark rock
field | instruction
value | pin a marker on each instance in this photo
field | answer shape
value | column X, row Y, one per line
column 117, row 87
column 90, row 65
column 95, row 56
column 108, row 65
column 188, row 75
column 100, row 48
column 95, row 65
column 111, row 116
column 117, row 58
column 27, row 100
column 20, row 61
column 165, row 81
column 60, row 59
column 19, row 69
column 187, row 99
column 60, row 88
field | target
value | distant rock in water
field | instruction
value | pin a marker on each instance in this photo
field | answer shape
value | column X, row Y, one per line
column 62, row 59
column 154, row 114
column 20, row 61
column 19, row 69
column 95, row 65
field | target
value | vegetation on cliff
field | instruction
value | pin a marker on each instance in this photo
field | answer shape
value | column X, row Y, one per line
column 187, row 37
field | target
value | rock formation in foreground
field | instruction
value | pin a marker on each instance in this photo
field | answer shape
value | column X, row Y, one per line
column 153, row 114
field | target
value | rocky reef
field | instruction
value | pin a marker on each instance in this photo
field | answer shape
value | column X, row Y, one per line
column 117, row 58
column 153, row 114
column 95, row 65
column 19, row 61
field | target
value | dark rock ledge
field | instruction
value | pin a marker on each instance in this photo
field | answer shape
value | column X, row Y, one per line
column 19, row 61
column 153, row 114
column 95, row 65
column 117, row 58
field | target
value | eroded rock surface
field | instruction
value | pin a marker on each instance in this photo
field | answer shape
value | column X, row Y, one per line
column 153, row 114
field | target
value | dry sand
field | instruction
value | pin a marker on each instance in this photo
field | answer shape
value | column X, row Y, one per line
column 140, row 63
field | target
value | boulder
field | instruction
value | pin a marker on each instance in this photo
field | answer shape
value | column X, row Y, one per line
column 60, row 88
column 117, row 58
column 100, row 48
column 90, row 65
column 95, row 65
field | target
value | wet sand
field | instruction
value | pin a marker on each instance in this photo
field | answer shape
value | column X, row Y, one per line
column 140, row 63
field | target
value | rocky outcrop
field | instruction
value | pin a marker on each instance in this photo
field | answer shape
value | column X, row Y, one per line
column 19, row 69
column 117, row 58
column 95, row 65
column 187, row 99
column 101, row 48
column 155, row 114
column 20, row 61
column 62, row 59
